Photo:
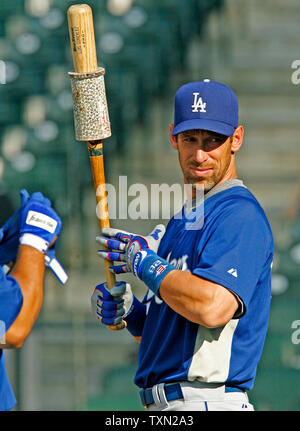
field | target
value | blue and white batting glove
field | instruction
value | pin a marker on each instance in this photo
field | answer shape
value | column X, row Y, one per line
column 10, row 239
column 138, row 252
column 40, row 224
column 10, row 232
column 111, row 306
column 56, row 267
column 126, row 245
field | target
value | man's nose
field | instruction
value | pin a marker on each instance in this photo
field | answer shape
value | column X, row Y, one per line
column 200, row 155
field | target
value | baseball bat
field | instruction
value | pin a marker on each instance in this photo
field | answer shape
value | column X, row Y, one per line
column 82, row 39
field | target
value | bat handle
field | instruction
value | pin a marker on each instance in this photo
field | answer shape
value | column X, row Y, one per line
column 118, row 327
column 95, row 150
column 110, row 281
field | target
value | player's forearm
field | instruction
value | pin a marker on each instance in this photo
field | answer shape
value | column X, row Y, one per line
column 29, row 273
column 195, row 298
column 198, row 300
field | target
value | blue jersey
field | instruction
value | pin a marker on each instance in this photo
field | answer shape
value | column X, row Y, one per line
column 233, row 248
column 11, row 300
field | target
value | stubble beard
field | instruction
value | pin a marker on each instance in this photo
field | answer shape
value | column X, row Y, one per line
column 206, row 183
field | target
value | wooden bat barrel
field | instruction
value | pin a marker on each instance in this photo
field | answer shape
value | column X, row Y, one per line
column 82, row 39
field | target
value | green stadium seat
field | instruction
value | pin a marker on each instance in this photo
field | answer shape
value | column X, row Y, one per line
column 9, row 7
column 2, row 27
column 284, row 310
column 9, row 111
column 277, row 346
column 118, row 391
column 30, row 79
column 276, row 389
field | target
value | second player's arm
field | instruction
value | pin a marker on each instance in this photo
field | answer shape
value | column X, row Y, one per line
column 197, row 299
column 29, row 273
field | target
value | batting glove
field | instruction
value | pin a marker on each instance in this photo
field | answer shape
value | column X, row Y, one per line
column 40, row 224
column 10, row 232
column 56, row 267
column 138, row 252
column 10, row 238
column 111, row 306
column 127, row 245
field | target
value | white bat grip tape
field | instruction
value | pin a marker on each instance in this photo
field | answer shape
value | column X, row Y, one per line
column 91, row 118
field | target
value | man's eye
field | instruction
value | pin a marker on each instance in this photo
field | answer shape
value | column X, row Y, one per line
column 212, row 144
column 216, row 141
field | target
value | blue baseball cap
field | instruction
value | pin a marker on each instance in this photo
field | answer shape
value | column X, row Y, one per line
column 206, row 105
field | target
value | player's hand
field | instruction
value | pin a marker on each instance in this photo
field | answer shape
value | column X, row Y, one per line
column 10, row 232
column 110, row 306
column 40, row 225
column 129, row 248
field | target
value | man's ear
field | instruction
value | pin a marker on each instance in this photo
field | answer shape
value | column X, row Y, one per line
column 237, row 139
column 173, row 139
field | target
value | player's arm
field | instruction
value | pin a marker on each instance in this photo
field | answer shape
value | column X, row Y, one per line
column 197, row 299
column 29, row 273
column 29, row 235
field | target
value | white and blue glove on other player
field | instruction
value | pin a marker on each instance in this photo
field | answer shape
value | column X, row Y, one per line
column 139, row 253
column 110, row 306
column 52, row 263
column 10, row 232
column 35, row 224
column 40, row 225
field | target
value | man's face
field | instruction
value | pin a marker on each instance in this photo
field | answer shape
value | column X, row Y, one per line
column 205, row 158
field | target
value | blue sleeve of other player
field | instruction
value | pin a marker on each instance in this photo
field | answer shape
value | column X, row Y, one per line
column 239, row 249
column 11, row 300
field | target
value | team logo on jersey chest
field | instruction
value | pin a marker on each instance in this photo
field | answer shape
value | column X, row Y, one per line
column 180, row 263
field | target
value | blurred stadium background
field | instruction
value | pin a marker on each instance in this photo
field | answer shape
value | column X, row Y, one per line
column 148, row 48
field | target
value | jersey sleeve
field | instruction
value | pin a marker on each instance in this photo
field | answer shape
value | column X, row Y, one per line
column 238, row 249
column 11, row 300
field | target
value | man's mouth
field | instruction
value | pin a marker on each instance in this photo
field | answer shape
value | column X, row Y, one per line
column 201, row 172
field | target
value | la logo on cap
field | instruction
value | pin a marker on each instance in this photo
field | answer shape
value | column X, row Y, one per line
column 199, row 105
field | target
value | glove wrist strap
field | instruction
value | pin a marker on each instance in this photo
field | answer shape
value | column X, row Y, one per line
column 153, row 270
column 130, row 307
column 57, row 269
column 34, row 241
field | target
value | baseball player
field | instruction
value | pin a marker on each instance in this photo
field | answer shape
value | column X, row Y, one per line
column 203, row 321
column 27, row 243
